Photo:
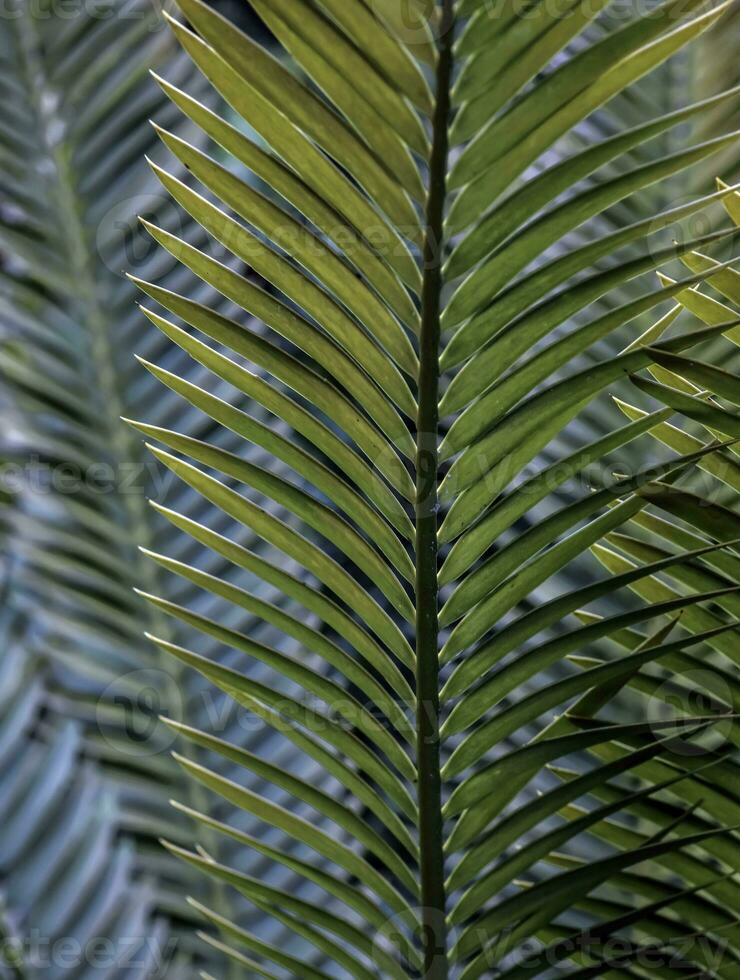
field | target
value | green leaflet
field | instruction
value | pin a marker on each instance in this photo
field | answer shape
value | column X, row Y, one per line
column 504, row 394
column 480, row 193
column 271, row 398
column 662, row 530
column 712, row 518
column 671, row 815
column 479, row 70
column 528, row 759
column 495, row 570
column 312, row 747
column 237, row 957
column 320, row 801
column 524, row 49
column 511, row 335
column 316, row 257
column 349, row 709
column 488, row 279
column 708, row 414
column 240, row 688
column 488, row 886
column 290, row 143
column 332, row 62
column 485, row 24
column 313, row 640
column 471, row 545
column 296, row 827
column 510, row 827
column 265, row 74
column 560, row 948
column 573, row 77
column 560, row 889
column 303, row 380
column 508, row 721
column 720, row 466
column 308, row 202
column 707, row 309
column 305, row 465
column 703, row 375
column 541, row 414
column 726, row 281
column 693, row 870
column 652, row 589
column 274, row 898
column 294, row 544
column 248, row 247
column 265, row 950
column 528, row 625
column 499, row 685
column 513, row 212
column 315, row 514
column 312, row 599
column 391, row 57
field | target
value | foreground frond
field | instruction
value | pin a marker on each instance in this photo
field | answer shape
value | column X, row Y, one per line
column 489, row 656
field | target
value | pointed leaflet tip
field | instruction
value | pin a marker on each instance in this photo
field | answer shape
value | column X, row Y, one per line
column 159, row 171
column 143, row 361
column 160, row 130
column 171, row 723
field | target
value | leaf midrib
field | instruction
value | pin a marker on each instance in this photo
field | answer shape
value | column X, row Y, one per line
column 72, row 232
column 431, row 838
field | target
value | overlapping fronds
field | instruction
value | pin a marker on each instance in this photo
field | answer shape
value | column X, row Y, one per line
column 423, row 347
column 74, row 122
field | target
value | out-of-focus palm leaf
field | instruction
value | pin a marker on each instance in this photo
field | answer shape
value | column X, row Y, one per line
column 73, row 182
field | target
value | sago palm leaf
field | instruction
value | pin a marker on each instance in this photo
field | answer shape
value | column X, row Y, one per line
column 85, row 769
column 417, row 362
column 67, row 875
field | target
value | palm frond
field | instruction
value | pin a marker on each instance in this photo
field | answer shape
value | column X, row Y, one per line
column 72, row 184
column 432, row 329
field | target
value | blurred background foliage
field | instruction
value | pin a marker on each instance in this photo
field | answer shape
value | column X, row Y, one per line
column 85, row 770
